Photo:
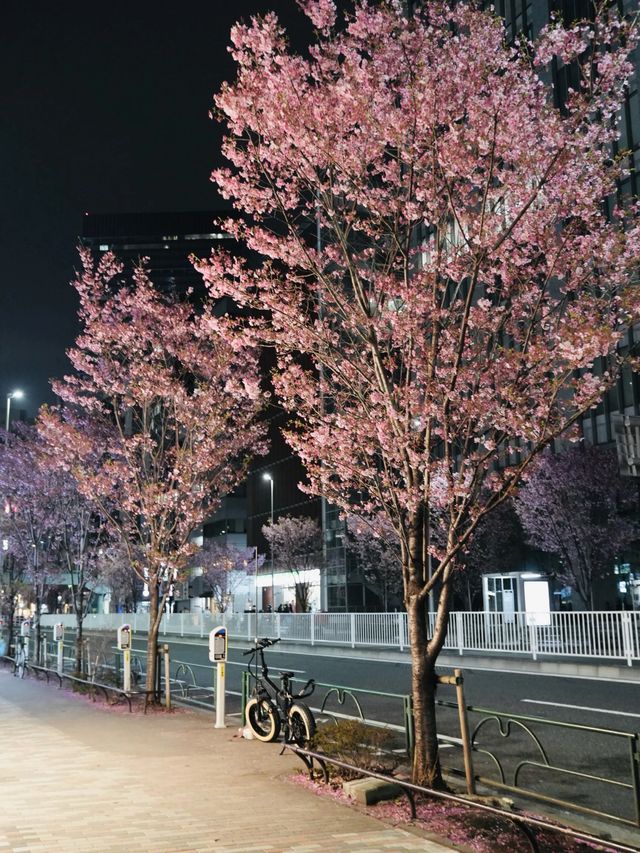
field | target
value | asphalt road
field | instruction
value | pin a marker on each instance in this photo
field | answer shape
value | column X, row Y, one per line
column 574, row 701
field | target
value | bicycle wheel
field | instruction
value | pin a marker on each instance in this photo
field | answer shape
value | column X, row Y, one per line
column 263, row 719
column 302, row 725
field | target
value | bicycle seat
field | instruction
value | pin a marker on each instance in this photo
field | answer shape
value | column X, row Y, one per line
column 287, row 674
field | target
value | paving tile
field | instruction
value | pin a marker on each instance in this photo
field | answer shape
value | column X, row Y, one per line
column 75, row 776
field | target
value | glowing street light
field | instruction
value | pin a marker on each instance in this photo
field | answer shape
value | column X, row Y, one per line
column 13, row 395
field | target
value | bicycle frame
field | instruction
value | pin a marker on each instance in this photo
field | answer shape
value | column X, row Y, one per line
column 281, row 697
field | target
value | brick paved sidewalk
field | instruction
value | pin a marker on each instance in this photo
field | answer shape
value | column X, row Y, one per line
column 77, row 777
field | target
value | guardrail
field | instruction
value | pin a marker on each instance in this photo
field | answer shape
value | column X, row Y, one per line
column 608, row 634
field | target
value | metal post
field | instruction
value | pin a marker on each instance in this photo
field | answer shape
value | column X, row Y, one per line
column 409, row 725
column 60, row 657
column 167, row 677
column 464, row 732
column 126, row 678
column 353, row 630
column 460, row 633
column 533, row 639
column 220, row 696
column 627, row 637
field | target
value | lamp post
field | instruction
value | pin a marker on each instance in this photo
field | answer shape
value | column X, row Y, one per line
column 13, row 395
column 269, row 479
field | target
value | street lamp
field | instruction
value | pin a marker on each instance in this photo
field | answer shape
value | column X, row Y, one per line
column 269, row 479
column 13, row 395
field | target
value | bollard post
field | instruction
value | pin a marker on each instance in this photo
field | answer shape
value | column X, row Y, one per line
column 464, row 732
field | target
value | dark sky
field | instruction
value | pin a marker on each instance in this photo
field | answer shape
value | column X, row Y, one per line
column 104, row 109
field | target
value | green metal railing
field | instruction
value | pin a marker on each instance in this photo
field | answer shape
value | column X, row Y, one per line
column 508, row 724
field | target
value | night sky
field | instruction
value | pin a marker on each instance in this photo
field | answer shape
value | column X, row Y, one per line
column 105, row 109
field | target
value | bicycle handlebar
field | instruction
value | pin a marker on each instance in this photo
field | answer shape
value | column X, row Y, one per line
column 307, row 690
column 261, row 644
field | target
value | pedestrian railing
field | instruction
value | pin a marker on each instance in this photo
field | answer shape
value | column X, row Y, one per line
column 611, row 635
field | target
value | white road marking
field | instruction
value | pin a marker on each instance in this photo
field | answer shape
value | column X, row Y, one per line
column 582, row 708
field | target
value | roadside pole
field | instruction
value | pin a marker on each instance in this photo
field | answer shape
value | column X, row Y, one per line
column 124, row 645
column 58, row 637
column 218, row 655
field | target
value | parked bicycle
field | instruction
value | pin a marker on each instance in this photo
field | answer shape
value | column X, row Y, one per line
column 273, row 707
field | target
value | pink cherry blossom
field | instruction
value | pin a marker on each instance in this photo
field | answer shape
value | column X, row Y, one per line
column 439, row 274
column 160, row 419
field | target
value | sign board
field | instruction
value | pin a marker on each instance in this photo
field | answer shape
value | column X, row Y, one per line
column 58, row 632
column 124, row 637
column 536, row 603
column 25, row 628
column 218, row 645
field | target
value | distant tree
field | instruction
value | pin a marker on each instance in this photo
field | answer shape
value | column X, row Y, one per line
column 375, row 544
column 576, row 505
column 31, row 494
column 81, row 543
column 439, row 269
column 225, row 568
column 164, row 396
column 495, row 547
column 12, row 582
column 295, row 544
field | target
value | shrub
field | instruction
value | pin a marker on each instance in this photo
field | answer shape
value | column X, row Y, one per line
column 354, row 742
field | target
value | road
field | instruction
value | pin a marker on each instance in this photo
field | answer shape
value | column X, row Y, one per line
column 577, row 701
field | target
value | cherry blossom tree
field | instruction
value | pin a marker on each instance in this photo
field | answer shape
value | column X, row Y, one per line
column 160, row 419
column 30, row 493
column 224, row 568
column 576, row 505
column 295, row 544
column 12, row 583
column 443, row 275
column 82, row 542
column 375, row 544
column 497, row 546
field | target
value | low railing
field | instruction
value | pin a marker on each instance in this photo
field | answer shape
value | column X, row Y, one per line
column 611, row 635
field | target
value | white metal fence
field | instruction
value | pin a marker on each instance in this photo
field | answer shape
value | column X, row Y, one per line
column 613, row 635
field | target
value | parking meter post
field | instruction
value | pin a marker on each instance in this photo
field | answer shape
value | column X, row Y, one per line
column 126, row 670
column 218, row 655
column 58, row 638
column 124, row 645
column 220, row 697
column 167, row 677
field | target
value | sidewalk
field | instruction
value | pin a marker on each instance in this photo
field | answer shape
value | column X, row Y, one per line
column 75, row 776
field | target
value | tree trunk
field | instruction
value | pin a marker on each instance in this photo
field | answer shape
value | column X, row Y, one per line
column 152, row 638
column 38, row 629
column 79, row 638
column 426, row 761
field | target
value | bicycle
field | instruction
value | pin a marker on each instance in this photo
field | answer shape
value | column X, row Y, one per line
column 273, row 707
column 20, row 659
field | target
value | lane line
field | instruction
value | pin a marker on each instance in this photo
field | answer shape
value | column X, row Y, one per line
column 582, row 708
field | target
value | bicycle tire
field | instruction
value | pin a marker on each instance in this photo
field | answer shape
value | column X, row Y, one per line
column 263, row 719
column 302, row 725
